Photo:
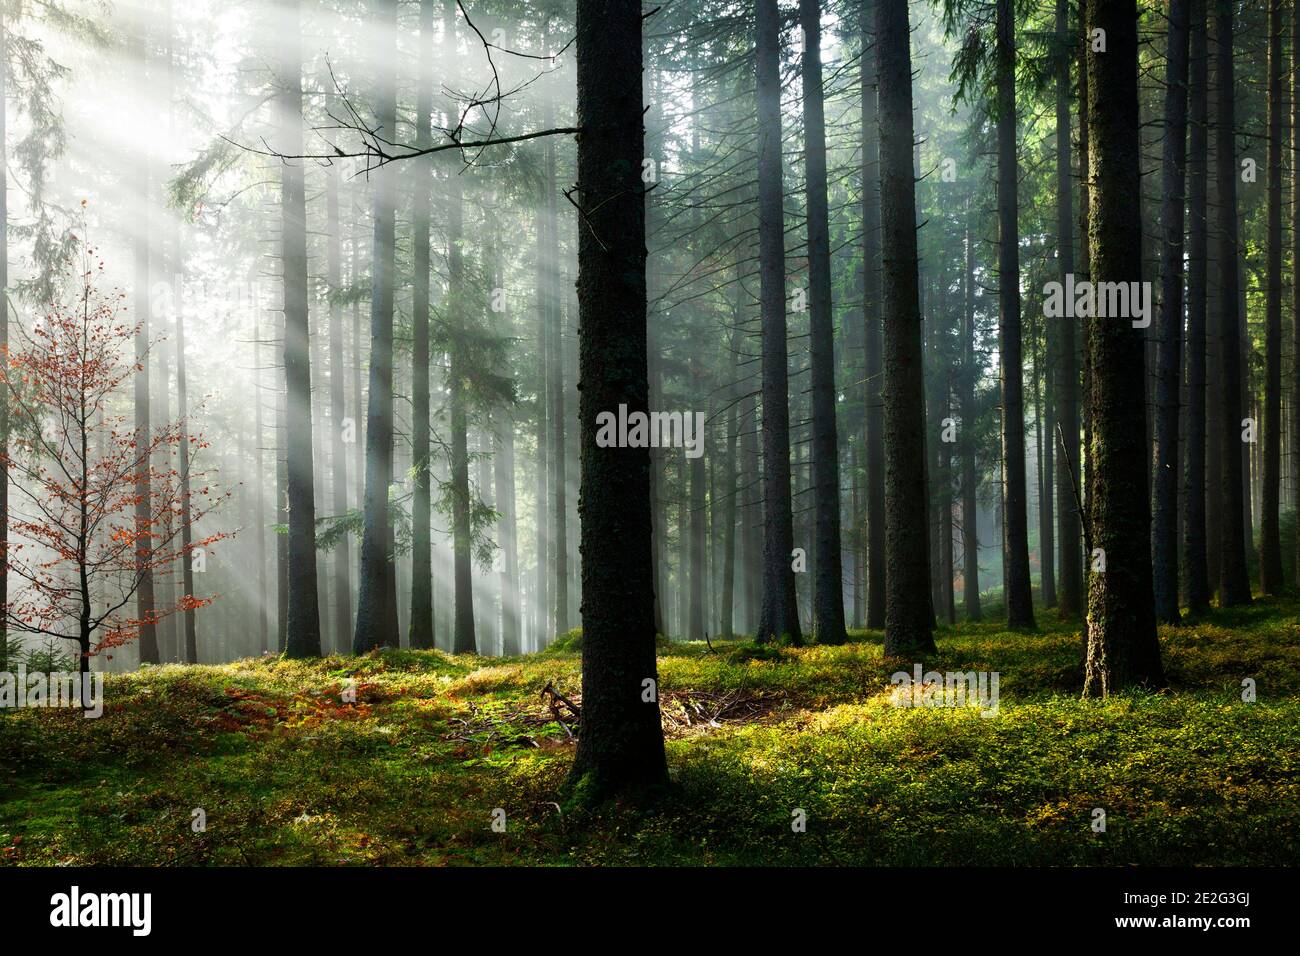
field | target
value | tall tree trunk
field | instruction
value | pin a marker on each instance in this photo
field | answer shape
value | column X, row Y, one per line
column 780, row 616
column 558, row 459
column 1069, row 593
column 1196, row 580
column 4, row 344
column 970, row 572
column 1295, row 270
column 463, row 637
column 1122, row 645
column 1270, row 556
column 377, row 600
column 909, row 617
column 1169, row 337
column 874, row 400
column 828, row 585
column 621, row 745
column 420, row 633
column 1234, row 585
column 145, row 609
column 342, row 567
column 302, row 638
column 1015, row 541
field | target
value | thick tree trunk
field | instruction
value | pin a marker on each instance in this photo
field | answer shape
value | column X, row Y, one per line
column 1015, row 540
column 377, row 601
column 909, row 617
column 1196, row 580
column 1234, row 584
column 780, row 616
column 1122, row 645
column 1169, row 348
column 620, row 746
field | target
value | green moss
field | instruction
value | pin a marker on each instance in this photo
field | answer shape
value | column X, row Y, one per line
column 289, row 772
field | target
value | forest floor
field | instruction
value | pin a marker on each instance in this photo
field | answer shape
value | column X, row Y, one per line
column 286, row 772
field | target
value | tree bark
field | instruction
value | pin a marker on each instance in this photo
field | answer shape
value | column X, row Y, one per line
column 1196, row 580
column 620, row 747
column 909, row 617
column 780, row 615
column 302, row 637
column 1122, row 645
column 377, row 601
column 1069, row 592
column 1015, row 541
column 1234, row 585
column 828, row 584
column 1270, row 548
column 1169, row 333
column 148, row 640
column 874, row 400
column 420, row 627
column 970, row 572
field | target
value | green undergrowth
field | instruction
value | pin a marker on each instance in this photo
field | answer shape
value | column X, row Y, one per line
column 402, row 757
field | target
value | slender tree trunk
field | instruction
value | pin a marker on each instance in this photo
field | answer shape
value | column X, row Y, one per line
column 909, row 617
column 1122, row 645
column 1043, row 445
column 1015, row 541
column 302, row 638
column 1069, row 593
column 621, row 744
column 508, row 532
column 377, row 602
column 780, row 616
column 4, row 345
column 729, row 491
column 828, row 585
column 1234, row 585
column 148, row 640
column 189, row 616
column 259, row 470
column 420, row 633
column 874, row 400
column 1196, row 581
column 1270, row 556
column 463, row 637
column 1169, row 348
column 558, row 458
column 1295, row 270
column 970, row 573
column 342, row 573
